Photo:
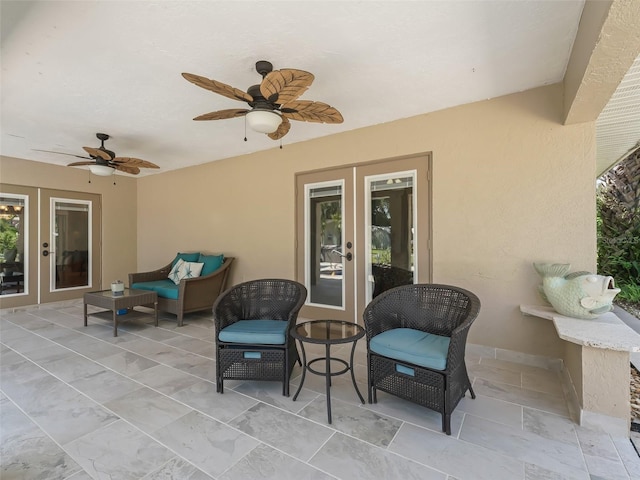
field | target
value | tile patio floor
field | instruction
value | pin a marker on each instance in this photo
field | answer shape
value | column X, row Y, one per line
column 77, row 403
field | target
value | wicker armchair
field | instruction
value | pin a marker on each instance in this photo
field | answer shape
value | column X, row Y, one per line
column 419, row 353
column 252, row 321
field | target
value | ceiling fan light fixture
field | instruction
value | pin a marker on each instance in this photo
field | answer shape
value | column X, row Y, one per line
column 263, row 121
column 102, row 170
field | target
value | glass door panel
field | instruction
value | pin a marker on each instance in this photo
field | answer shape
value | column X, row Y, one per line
column 71, row 260
column 324, row 250
column 390, row 221
column 14, row 229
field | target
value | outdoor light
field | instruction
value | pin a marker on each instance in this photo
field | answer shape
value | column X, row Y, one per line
column 263, row 121
column 102, row 170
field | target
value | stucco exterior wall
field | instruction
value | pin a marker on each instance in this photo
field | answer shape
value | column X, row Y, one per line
column 511, row 185
column 119, row 226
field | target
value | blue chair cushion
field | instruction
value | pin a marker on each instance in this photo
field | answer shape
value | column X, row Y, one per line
column 255, row 332
column 187, row 257
column 164, row 288
column 412, row 346
column 211, row 263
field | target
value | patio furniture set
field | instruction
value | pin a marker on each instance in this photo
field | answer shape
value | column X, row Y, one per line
column 416, row 338
column 416, row 334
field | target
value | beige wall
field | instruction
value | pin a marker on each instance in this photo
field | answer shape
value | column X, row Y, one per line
column 511, row 185
column 119, row 232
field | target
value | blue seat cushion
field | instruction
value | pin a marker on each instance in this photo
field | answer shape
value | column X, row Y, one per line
column 211, row 263
column 412, row 346
column 164, row 288
column 255, row 332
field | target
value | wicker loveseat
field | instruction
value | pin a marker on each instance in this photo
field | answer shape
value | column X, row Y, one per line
column 191, row 294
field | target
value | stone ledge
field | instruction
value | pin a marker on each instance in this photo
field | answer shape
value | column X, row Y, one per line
column 607, row 331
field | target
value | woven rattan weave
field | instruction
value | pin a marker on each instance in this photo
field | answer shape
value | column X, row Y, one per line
column 438, row 309
column 264, row 299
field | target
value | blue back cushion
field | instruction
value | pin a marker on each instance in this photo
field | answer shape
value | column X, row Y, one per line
column 265, row 332
column 187, row 257
column 211, row 263
column 164, row 288
column 412, row 346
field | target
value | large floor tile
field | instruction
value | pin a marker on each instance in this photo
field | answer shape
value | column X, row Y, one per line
column 27, row 452
column 165, row 379
column 266, row 463
column 463, row 460
column 127, row 363
column 493, row 409
column 282, row 430
column 529, row 398
column 271, row 393
column 105, row 385
column 348, row 458
column 522, row 445
column 208, row 444
column 61, row 411
column 118, row 451
column 177, row 468
column 354, row 421
column 147, row 409
column 202, row 396
column 549, row 425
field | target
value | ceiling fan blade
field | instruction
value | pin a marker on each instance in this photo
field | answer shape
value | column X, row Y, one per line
column 218, row 87
column 78, row 164
column 132, row 162
column 223, row 114
column 96, row 152
column 307, row 111
column 126, row 168
column 282, row 130
column 283, row 86
column 60, row 153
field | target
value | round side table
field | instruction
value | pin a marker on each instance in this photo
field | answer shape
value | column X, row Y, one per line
column 327, row 333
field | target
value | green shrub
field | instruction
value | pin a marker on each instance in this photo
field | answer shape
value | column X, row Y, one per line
column 630, row 293
column 618, row 224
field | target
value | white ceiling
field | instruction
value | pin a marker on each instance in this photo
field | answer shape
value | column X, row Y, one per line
column 71, row 69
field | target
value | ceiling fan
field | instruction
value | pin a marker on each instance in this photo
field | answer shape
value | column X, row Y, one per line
column 104, row 162
column 273, row 103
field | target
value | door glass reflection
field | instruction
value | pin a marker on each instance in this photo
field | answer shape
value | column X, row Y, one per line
column 391, row 233
column 324, row 249
column 12, row 242
column 72, row 241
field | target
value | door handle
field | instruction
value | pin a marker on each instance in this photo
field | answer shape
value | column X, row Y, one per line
column 45, row 253
column 348, row 256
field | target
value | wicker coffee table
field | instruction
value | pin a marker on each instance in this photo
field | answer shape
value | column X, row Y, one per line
column 128, row 299
column 327, row 333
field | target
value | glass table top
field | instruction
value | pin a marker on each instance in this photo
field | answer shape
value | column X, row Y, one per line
column 327, row 331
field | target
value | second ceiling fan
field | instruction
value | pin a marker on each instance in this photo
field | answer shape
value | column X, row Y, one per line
column 273, row 102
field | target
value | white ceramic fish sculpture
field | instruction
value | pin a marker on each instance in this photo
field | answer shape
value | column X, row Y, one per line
column 580, row 294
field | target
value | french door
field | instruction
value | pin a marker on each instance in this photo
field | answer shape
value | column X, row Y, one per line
column 361, row 230
column 50, row 245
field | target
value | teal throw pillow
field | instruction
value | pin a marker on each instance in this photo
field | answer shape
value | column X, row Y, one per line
column 211, row 263
column 187, row 257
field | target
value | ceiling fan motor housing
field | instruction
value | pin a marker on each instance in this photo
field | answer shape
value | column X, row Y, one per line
column 263, row 67
column 258, row 100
